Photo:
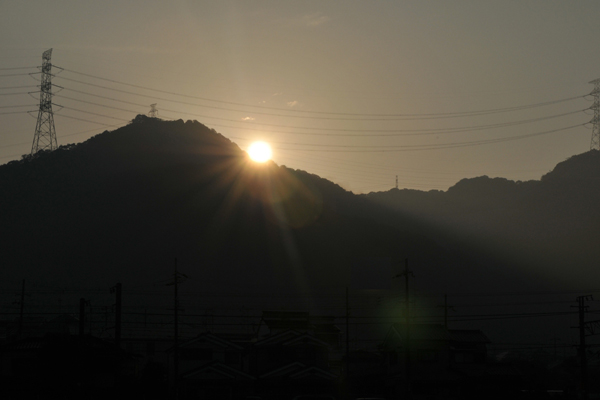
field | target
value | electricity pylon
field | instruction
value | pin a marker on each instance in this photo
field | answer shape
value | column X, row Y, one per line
column 153, row 111
column 45, row 133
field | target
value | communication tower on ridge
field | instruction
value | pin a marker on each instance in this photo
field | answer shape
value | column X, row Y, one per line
column 153, row 111
column 595, row 143
column 45, row 133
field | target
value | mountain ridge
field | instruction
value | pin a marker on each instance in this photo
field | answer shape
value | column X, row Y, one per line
column 154, row 190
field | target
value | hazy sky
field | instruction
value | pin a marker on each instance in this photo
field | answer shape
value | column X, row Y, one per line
column 354, row 91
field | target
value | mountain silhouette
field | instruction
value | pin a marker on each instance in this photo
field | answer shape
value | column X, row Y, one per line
column 124, row 204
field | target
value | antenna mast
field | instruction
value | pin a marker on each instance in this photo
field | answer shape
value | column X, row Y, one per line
column 595, row 142
column 45, row 133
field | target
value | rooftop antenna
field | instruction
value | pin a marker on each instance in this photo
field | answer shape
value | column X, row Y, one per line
column 44, row 137
column 153, row 111
column 396, row 181
column 595, row 142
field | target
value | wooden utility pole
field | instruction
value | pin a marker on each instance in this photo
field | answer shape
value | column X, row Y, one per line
column 177, row 278
column 347, row 339
column 582, row 348
column 446, row 311
column 81, row 316
column 446, row 308
column 118, row 306
column 176, row 328
column 22, row 306
column 407, row 361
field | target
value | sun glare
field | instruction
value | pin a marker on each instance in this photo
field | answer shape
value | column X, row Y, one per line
column 260, row 152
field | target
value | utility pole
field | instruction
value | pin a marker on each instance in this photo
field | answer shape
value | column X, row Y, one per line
column 584, row 380
column 407, row 361
column 408, row 343
column 81, row 316
column 446, row 308
column 176, row 328
column 117, row 290
column 177, row 278
column 445, row 311
column 595, row 142
column 582, row 348
column 22, row 309
column 396, row 181
column 347, row 339
column 44, row 137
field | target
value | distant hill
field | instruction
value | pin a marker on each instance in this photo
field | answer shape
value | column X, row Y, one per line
column 550, row 227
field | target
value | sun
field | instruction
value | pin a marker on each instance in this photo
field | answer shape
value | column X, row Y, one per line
column 260, row 152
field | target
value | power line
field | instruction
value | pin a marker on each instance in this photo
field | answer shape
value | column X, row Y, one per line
column 12, row 94
column 22, row 105
column 372, row 166
column 380, row 132
column 17, row 87
column 96, row 114
column 14, row 74
column 16, row 112
column 87, row 120
column 15, row 68
column 99, row 105
column 427, row 115
column 418, row 147
column 62, row 136
column 363, row 132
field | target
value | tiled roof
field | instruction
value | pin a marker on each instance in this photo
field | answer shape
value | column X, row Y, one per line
column 26, row 344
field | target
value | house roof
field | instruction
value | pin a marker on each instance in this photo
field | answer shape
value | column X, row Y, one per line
column 216, row 370
column 210, row 338
column 298, row 370
column 290, row 338
column 25, row 344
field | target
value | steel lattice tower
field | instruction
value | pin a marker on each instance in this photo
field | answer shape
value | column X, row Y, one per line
column 45, row 133
column 595, row 143
column 153, row 111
